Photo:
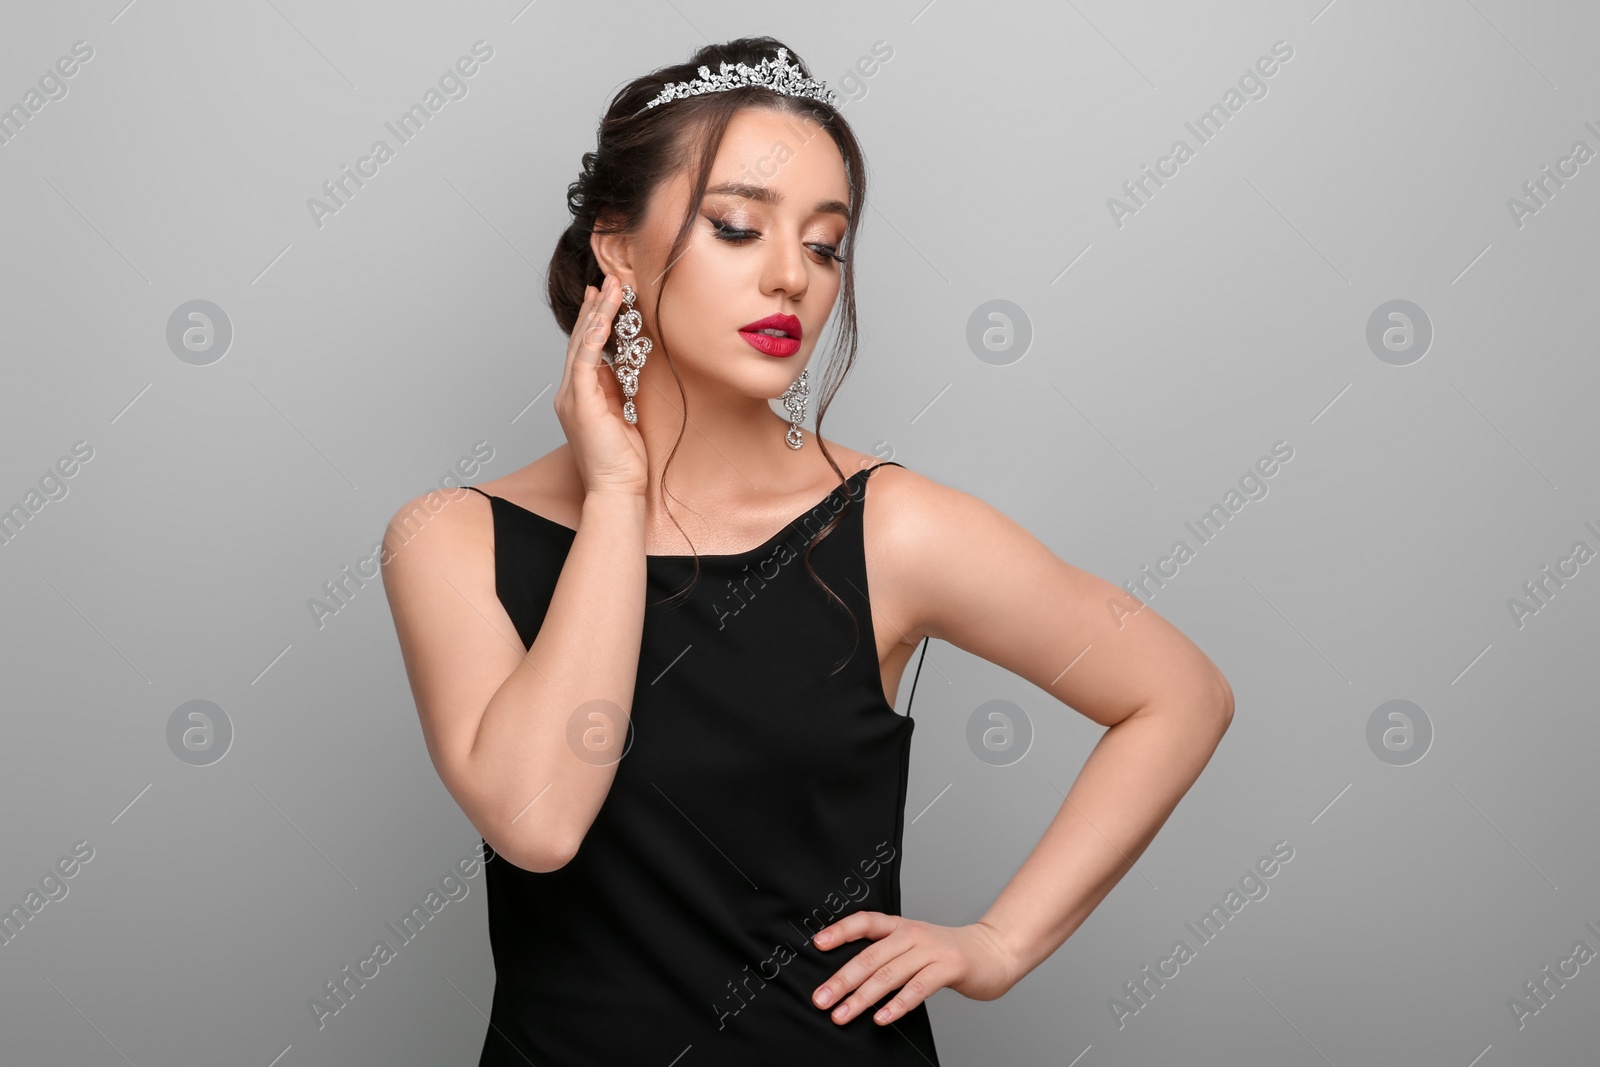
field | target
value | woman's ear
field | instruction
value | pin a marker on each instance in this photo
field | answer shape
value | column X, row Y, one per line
column 614, row 252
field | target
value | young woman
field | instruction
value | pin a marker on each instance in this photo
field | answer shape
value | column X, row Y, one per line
column 668, row 703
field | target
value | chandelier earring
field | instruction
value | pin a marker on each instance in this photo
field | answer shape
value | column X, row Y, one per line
column 794, row 399
column 630, row 355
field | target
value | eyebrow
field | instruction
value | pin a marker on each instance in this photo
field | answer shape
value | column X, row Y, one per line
column 765, row 195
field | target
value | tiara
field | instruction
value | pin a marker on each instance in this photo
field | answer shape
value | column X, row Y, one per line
column 778, row 74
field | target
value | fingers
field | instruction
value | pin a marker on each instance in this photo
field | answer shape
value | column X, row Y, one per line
column 593, row 318
column 922, row 984
column 896, row 960
column 593, row 329
column 853, row 927
column 856, row 925
column 589, row 337
column 907, row 966
column 585, row 313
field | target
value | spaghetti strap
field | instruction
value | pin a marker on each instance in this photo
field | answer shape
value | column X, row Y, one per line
column 926, row 641
column 480, row 492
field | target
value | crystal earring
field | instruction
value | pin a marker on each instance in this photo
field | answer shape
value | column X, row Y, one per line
column 794, row 399
column 631, row 350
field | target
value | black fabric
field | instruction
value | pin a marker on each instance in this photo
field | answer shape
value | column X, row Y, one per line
column 760, row 799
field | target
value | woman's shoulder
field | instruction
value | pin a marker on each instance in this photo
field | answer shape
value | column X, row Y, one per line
column 460, row 520
column 902, row 493
column 921, row 521
column 550, row 486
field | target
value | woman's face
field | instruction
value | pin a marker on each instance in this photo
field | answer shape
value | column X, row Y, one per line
column 760, row 247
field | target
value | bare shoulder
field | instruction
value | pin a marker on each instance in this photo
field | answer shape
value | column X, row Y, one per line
column 914, row 526
column 554, row 472
column 912, row 510
column 453, row 529
column 443, row 523
column 550, row 486
column 447, row 532
column 960, row 570
column 943, row 551
column 450, row 532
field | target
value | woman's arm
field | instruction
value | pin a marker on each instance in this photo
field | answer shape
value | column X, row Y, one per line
column 498, row 719
column 1127, row 788
column 973, row 577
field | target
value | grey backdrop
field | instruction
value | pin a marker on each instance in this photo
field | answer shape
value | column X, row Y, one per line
column 1142, row 361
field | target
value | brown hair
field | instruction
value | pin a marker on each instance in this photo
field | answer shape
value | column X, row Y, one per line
column 638, row 149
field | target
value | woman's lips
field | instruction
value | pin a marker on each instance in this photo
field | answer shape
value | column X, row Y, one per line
column 770, row 345
column 786, row 323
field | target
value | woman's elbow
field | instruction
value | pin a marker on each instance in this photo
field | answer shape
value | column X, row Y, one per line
column 1223, row 701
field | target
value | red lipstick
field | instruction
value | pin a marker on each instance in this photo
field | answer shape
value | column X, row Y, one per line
column 770, row 343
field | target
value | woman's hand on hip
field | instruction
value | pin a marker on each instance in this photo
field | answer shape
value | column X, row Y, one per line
column 917, row 958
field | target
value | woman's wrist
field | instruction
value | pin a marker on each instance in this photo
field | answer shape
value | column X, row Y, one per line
column 608, row 506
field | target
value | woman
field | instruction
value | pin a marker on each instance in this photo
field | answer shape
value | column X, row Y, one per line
column 696, row 787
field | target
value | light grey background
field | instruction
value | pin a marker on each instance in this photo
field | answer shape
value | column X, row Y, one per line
column 1168, row 354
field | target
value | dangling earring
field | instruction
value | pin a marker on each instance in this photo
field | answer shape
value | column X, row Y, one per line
column 794, row 399
column 631, row 350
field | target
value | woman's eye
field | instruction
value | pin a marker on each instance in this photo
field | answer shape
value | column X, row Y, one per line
column 734, row 235
column 731, row 234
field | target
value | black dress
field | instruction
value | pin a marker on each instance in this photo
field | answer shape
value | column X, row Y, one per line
column 760, row 799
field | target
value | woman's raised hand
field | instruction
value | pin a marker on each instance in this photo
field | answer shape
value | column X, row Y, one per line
column 610, row 453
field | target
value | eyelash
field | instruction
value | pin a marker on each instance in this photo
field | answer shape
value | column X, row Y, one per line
column 734, row 235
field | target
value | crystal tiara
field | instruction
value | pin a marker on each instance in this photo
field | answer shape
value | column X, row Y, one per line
column 778, row 74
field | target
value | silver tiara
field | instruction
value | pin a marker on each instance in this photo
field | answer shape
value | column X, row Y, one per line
column 778, row 74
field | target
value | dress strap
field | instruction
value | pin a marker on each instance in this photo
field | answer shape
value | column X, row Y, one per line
column 480, row 492
column 926, row 641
